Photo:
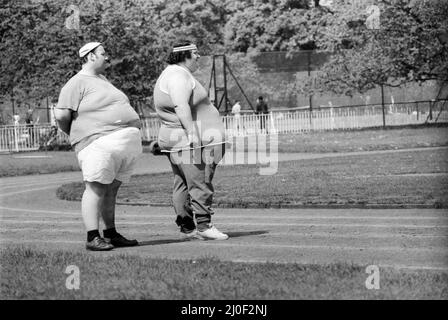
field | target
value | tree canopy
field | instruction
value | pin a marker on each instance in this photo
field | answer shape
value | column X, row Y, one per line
column 40, row 40
column 390, row 43
column 407, row 41
column 272, row 25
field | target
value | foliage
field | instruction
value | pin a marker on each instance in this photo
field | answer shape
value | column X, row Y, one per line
column 201, row 21
column 270, row 25
column 40, row 40
column 30, row 56
column 408, row 44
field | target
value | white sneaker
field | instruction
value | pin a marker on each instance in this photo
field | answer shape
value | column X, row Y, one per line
column 213, row 234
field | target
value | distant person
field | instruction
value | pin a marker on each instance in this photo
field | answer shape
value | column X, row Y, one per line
column 236, row 111
column 54, row 103
column 262, row 111
column 104, row 129
column 16, row 119
column 192, row 134
column 29, row 117
column 29, row 122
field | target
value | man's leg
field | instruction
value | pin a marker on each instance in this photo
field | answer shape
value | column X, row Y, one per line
column 181, row 201
column 199, row 181
column 91, row 206
column 108, row 208
column 108, row 213
column 200, row 192
column 213, row 157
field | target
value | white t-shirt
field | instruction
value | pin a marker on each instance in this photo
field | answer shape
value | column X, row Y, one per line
column 100, row 108
column 236, row 109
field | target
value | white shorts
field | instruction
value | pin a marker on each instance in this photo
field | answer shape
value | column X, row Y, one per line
column 111, row 157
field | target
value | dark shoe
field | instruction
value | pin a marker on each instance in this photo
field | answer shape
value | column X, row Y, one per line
column 119, row 241
column 98, row 244
column 186, row 223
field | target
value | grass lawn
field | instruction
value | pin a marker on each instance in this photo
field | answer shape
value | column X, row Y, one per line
column 401, row 178
column 365, row 140
column 33, row 274
column 25, row 163
column 313, row 142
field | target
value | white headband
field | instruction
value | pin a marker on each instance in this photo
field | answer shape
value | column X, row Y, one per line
column 185, row 48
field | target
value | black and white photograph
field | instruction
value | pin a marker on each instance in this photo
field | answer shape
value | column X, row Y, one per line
column 231, row 157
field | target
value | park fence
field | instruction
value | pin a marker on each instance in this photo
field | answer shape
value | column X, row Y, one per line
column 322, row 119
column 16, row 138
column 29, row 138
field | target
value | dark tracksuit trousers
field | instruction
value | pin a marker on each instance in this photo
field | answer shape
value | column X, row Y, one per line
column 193, row 188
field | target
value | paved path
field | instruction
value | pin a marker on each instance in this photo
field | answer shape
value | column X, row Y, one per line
column 32, row 215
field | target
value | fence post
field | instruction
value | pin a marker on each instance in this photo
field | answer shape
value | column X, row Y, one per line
column 16, row 142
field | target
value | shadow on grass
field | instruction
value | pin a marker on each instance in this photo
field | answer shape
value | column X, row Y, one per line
column 169, row 241
column 246, row 233
column 161, row 241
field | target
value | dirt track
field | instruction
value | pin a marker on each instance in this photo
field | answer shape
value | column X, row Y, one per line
column 401, row 238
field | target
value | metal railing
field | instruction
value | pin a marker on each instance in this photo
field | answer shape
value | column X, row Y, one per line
column 150, row 128
column 30, row 138
column 26, row 138
column 335, row 118
column 339, row 118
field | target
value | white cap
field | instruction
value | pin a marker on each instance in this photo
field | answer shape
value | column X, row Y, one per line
column 88, row 47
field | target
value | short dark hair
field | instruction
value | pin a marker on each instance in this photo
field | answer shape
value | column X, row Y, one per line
column 180, row 56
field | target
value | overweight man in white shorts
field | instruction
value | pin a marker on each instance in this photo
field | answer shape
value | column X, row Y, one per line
column 104, row 130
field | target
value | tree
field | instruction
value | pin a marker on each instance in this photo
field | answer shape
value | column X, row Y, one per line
column 40, row 40
column 269, row 25
column 201, row 21
column 27, row 47
column 405, row 44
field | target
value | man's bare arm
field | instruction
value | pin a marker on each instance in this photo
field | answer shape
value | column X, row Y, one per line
column 64, row 119
column 180, row 89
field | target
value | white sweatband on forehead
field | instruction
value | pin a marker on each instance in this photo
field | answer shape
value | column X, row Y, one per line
column 185, row 48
